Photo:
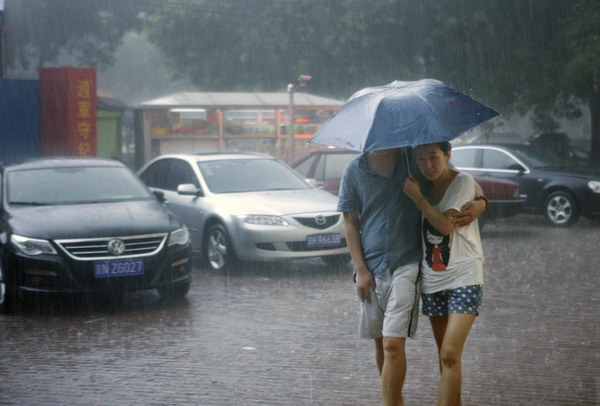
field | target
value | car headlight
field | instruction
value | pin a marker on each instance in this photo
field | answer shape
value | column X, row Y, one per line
column 594, row 185
column 263, row 219
column 32, row 246
column 181, row 236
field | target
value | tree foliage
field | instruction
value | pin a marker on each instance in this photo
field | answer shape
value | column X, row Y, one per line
column 537, row 56
column 87, row 31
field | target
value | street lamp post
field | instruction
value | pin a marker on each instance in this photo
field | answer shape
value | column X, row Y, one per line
column 291, row 89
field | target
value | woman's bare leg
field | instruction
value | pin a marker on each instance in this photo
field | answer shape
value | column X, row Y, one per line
column 438, row 325
column 454, row 332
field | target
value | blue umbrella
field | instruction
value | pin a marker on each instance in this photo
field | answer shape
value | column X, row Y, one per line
column 402, row 114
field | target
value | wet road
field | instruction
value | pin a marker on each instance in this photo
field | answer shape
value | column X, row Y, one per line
column 285, row 334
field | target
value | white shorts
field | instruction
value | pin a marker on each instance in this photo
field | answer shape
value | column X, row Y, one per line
column 394, row 307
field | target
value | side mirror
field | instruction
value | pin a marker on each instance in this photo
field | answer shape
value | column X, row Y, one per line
column 315, row 183
column 517, row 167
column 188, row 189
column 160, row 196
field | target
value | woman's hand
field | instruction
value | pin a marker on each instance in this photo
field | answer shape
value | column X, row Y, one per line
column 412, row 189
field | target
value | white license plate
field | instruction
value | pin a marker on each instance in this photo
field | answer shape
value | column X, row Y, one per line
column 124, row 267
column 324, row 240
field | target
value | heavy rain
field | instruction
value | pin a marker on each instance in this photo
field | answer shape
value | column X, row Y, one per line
column 191, row 265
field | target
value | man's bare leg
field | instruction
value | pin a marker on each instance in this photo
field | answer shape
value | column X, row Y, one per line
column 379, row 354
column 394, row 370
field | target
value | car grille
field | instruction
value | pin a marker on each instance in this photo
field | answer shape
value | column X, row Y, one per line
column 318, row 222
column 97, row 248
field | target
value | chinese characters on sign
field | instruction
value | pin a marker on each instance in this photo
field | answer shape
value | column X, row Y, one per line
column 68, row 111
column 84, row 110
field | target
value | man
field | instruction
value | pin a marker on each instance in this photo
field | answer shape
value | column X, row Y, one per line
column 382, row 227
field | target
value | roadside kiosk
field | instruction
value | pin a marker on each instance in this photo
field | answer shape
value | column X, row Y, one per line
column 223, row 121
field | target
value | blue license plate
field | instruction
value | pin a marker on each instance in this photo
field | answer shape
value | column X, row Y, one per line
column 324, row 240
column 123, row 267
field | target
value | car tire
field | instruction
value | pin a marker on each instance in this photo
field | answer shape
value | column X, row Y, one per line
column 336, row 260
column 561, row 209
column 9, row 299
column 218, row 250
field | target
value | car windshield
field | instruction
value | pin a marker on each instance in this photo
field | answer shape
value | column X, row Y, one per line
column 249, row 175
column 73, row 185
column 539, row 158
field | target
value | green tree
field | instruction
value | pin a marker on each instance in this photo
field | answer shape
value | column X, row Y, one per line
column 582, row 70
column 535, row 56
column 87, row 31
column 538, row 56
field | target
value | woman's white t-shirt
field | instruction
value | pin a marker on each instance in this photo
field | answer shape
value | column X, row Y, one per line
column 455, row 260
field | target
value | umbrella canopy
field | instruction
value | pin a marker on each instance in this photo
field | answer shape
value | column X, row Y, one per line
column 402, row 114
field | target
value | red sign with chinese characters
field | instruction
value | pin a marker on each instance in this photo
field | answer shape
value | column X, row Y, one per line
column 68, row 111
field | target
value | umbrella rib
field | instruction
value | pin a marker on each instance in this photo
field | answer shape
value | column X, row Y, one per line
column 442, row 124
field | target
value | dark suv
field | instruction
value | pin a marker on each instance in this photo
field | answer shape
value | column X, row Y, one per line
column 326, row 166
column 82, row 225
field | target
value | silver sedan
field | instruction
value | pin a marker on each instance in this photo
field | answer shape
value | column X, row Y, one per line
column 246, row 206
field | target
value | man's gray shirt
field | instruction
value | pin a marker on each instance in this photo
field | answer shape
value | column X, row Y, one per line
column 388, row 219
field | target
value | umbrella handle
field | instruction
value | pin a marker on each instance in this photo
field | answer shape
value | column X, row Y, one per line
column 407, row 161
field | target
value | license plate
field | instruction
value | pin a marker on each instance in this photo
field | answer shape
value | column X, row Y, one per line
column 324, row 240
column 124, row 267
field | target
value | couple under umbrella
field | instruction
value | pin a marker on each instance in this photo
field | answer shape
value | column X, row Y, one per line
column 412, row 234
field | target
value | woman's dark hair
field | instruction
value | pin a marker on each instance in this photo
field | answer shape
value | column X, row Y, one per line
column 444, row 146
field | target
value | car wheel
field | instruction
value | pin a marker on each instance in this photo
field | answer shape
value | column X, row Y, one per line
column 9, row 299
column 174, row 290
column 561, row 209
column 336, row 260
column 218, row 250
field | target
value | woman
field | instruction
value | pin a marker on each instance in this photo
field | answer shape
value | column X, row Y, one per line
column 452, row 267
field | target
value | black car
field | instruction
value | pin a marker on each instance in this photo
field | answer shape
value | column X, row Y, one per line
column 84, row 225
column 549, row 183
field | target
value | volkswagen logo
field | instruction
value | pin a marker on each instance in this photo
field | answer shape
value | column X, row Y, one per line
column 320, row 220
column 116, row 247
